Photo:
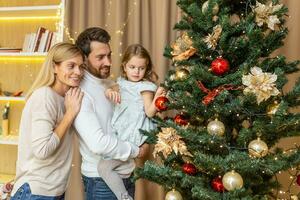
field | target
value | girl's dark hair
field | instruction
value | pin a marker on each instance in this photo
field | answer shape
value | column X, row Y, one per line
column 139, row 51
column 89, row 35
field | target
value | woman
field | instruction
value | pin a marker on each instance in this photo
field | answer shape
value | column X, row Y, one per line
column 45, row 138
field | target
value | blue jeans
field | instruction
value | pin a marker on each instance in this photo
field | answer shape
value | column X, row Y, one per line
column 96, row 189
column 24, row 193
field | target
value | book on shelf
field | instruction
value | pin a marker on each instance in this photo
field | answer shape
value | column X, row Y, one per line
column 40, row 41
column 38, row 37
column 26, row 42
column 43, row 41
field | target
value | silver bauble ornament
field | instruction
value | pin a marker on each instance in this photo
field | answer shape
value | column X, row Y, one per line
column 172, row 77
column 173, row 195
column 216, row 128
column 215, row 9
column 232, row 180
column 258, row 148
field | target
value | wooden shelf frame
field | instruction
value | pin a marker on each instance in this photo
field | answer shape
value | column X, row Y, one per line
column 24, row 54
column 9, row 140
column 5, row 98
column 29, row 11
column 30, row 8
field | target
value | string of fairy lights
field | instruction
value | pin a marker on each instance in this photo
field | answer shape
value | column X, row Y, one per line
column 117, row 34
column 108, row 12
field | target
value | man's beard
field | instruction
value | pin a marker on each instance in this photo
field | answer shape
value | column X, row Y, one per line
column 102, row 73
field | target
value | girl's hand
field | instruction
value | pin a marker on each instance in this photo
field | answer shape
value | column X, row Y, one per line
column 7, row 187
column 73, row 100
column 160, row 92
column 113, row 96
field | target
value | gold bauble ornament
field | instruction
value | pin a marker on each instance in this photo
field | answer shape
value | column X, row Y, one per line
column 272, row 108
column 258, row 148
column 181, row 74
column 173, row 195
column 216, row 127
column 232, row 180
column 215, row 9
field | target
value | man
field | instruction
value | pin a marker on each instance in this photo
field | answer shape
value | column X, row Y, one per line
column 93, row 122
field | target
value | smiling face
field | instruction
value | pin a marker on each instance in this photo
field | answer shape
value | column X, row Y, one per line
column 135, row 69
column 99, row 60
column 68, row 73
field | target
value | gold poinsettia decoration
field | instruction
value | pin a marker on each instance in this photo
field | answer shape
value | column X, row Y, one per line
column 182, row 48
column 261, row 84
column 169, row 141
column 212, row 39
column 264, row 14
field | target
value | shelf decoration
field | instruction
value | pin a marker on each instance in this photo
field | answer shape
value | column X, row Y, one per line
column 5, row 124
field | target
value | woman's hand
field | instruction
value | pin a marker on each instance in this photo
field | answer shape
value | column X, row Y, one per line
column 73, row 99
column 113, row 95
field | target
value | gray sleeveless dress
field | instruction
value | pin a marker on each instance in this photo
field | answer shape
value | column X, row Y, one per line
column 129, row 116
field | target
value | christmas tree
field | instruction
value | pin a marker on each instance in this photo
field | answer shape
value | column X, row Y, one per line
column 226, row 89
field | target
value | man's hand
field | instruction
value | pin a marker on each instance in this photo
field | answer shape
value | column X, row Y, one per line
column 144, row 150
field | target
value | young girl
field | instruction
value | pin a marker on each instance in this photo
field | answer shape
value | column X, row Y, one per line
column 138, row 93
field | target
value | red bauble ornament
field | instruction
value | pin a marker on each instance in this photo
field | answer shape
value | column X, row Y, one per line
column 160, row 103
column 219, row 66
column 189, row 169
column 298, row 179
column 180, row 120
column 217, row 184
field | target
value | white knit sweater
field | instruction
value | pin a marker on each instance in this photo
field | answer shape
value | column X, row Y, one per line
column 93, row 124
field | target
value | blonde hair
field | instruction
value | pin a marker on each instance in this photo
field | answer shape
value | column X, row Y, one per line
column 139, row 51
column 56, row 55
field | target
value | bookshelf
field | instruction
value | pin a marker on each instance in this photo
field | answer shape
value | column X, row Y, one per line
column 19, row 69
